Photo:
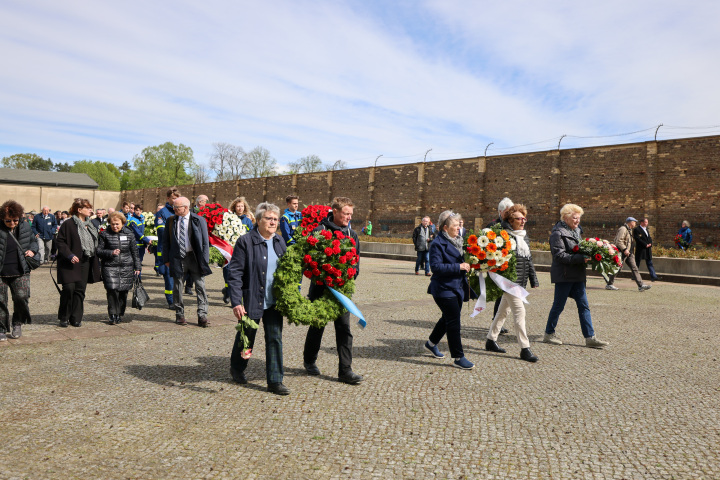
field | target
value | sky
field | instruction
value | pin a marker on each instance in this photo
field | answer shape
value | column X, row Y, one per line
column 350, row 80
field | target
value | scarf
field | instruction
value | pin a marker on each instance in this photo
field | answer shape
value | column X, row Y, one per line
column 88, row 236
column 522, row 247
column 457, row 242
column 575, row 232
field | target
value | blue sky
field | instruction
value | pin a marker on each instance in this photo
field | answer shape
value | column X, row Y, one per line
column 352, row 79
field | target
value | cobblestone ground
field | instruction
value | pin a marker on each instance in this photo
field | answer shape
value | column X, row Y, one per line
column 149, row 399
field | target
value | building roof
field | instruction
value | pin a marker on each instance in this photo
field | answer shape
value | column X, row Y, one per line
column 42, row 178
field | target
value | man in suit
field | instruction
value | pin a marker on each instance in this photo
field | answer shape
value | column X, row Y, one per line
column 44, row 226
column 643, row 247
column 186, row 251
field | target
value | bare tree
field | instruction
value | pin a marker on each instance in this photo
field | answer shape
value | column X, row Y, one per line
column 308, row 164
column 259, row 163
column 201, row 174
column 226, row 161
column 338, row 165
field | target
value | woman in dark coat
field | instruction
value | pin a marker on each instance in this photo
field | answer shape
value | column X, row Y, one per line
column 449, row 287
column 17, row 243
column 120, row 264
column 514, row 223
column 77, row 262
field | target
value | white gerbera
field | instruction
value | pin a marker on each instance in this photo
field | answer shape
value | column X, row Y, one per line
column 499, row 241
column 473, row 260
column 483, row 241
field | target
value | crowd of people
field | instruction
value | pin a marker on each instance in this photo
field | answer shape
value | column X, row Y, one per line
column 109, row 246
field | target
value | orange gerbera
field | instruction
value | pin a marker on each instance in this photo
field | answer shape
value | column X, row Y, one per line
column 491, row 263
column 504, row 235
column 481, row 255
column 491, row 247
column 504, row 252
column 475, row 267
column 472, row 240
column 504, row 267
column 491, row 235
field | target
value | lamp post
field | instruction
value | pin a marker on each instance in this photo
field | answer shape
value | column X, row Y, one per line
column 488, row 145
column 429, row 149
column 376, row 159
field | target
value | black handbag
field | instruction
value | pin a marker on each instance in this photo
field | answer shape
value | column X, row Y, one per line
column 140, row 296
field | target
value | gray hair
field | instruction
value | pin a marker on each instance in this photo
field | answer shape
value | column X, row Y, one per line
column 685, row 223
column 504, row 204
column 200, row 197
column 447, row 217
column 265, row 207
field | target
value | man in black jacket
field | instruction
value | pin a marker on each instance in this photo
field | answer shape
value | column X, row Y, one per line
column 337, row 220
column 186, row 250
column 643, row 247
column 422, row 236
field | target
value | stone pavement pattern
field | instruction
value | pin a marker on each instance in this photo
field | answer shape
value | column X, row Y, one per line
column 150, row 399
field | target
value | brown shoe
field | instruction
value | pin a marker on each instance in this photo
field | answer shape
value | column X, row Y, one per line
column 180, row 320
column 202, row 322
column 428, row 274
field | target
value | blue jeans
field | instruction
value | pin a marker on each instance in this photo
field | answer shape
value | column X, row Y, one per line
column 272, row 322
column 423, row 258
column 449, row 324
column 576, row 291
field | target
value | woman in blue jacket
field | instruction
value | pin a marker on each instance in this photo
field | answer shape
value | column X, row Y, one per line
column 250, row 278
column 449, row 287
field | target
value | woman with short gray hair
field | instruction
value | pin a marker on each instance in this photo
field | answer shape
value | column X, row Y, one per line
column 449, row 288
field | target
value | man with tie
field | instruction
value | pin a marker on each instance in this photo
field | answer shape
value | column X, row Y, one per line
column 186, row 251
column 643, row 247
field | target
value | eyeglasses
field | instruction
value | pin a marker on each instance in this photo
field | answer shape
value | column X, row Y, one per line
column 271, row 219
column 11, row 220
column 520, row 219
column 182, row 206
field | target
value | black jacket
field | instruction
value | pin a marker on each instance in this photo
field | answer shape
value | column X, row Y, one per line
column 566, row 265
column 642, row 240
column 198, row 240
column 416, row 238
column 25, row 238
column 68, row 245
column 316, row 291
column 525, row 267
column 118, row 271
column 247, row 269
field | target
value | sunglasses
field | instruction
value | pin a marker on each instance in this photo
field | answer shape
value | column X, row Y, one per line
column 11, row 220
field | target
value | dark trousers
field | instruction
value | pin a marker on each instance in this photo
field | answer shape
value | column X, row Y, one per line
column 576, row 291
column 72, row 297
column 117, row 300
column 423, row 261
column 272, row 323
column 343, row 341
column 20, row 292
column 651, row 268
column 449, row 324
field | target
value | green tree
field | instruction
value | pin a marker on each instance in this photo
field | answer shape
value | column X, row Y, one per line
column 27, row 161
column 100, row 172
column 259, row 163
column 62, row 167
column 163, row 165
column 125, row 167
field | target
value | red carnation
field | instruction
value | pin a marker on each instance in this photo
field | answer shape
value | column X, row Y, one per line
column 326, row 267
column 316, row 272
column 351, row 272
column 576, row 249
column 598, row 257
column 314, row 264
column 329, row 251
column 335, row 243
column 312, row 241
column 326, row 234
column 597, row 239
column 339, row 234
column 342, row 259
column 329, row 280
column 307, row 259
column 352, row 240
column 336, row 250
column 340, row 282
column 304, row 233
column 308, row 273
column 318, row 282
column 353, row 261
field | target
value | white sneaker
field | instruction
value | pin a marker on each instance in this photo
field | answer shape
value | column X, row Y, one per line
column 593, row 342
column 642, row 288
column 552, row 338
column 611, row 287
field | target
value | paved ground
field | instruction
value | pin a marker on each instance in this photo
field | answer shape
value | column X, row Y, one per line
column 150, row 399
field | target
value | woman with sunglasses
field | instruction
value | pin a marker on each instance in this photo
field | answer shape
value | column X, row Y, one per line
column 514, row 219
column 17, row 242
column 78, row 264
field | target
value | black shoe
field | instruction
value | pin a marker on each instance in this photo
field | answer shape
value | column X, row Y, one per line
column 311, row 368
column 503, row 330
column 238, row 377
column 188, row 291
column 180, row 320
column 16, row 331
column 76, row 324
column 492, row 346
column 63, row 324
column 171, row 307
column 351, row 378
column 278, row 389
column 111, row 320
column 527, row 355
column 226, row 295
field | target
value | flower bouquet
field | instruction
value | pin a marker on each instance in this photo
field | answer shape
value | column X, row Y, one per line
column 325, row 258
column 224, row 228
column 603, row 256
column 491, row 250
column 245, row 322
column 680, row 242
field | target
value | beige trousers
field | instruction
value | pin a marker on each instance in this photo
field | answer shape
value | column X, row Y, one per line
column 507, row 304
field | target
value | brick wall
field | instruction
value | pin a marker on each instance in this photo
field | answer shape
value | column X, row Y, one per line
column 668, row 181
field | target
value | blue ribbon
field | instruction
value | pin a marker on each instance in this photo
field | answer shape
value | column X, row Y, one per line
column 349, row 306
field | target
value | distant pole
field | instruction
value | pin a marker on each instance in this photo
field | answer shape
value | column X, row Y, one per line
column 336, row 164
column 377, row 159
column 561, row 141
column 656, row 130
column 488, row 145
column 429, row 149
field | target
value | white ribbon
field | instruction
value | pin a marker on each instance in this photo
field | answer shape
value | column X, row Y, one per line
column 504, row 284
